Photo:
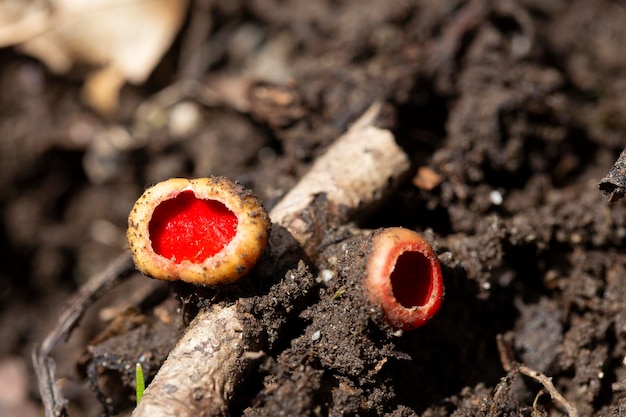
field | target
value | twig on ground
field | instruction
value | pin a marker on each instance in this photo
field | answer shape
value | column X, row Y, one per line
column 202, row 371
column 549, row 386
column 45, row 366
column 512, row 367
column 355, row 174
column 614, row 184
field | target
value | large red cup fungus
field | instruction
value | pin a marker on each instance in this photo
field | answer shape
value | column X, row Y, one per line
column 205, row 231
column 403, row 277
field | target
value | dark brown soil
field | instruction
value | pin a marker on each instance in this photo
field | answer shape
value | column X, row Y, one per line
column 519, row 109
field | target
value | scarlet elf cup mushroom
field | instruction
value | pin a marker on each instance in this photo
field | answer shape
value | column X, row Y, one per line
column 205, row 231
column 403, row 277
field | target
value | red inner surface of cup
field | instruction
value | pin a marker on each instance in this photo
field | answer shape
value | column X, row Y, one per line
column 188, row 228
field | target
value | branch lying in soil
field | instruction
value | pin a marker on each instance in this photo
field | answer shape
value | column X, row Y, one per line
column 202, row 371
column 614, row 184
column 45, row 366
column 355, row 174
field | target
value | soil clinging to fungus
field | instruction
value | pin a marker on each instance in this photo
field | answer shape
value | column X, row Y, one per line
column 205, row 231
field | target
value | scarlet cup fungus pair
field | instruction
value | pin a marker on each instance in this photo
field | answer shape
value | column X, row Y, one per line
column 211, row 231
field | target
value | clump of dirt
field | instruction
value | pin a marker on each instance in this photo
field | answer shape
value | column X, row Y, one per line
column 515, row 106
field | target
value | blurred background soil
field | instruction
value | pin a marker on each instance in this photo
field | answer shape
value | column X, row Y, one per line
column 511, row 112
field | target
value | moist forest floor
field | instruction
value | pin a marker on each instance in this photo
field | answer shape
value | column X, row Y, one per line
column 510, row 111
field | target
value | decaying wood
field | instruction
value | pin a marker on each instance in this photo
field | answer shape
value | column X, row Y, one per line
column 201, row 372
column 196, row 379
column 356, row 173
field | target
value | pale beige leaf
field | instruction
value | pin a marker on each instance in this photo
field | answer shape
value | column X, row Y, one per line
column 126, row 38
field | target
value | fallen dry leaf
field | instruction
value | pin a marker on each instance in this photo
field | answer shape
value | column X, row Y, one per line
column 123, row 39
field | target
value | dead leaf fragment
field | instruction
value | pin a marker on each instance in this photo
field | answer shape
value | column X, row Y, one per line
column 123, row 39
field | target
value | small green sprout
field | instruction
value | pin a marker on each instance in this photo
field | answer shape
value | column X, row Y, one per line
column 341, row 291
column 140, row 382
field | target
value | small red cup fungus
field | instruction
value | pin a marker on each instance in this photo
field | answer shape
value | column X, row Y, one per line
column 403, row 277
column 204, row 231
